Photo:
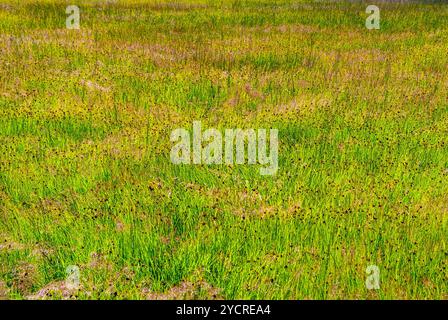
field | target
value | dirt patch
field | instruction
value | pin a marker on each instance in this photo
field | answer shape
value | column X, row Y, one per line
column 93, row 86
column 54, row 290
column 99, row 261
column 11, row 245
column 24, row 277
column 185, row 290
column 3, row 291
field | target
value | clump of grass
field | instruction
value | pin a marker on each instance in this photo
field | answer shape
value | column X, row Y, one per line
column 85, row 176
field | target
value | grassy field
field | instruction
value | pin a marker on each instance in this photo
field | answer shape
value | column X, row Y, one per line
column 86, row 178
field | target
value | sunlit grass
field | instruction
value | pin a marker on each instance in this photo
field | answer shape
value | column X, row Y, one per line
column 86, row 179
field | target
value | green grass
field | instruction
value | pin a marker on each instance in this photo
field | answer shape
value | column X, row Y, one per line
column 86, row 178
